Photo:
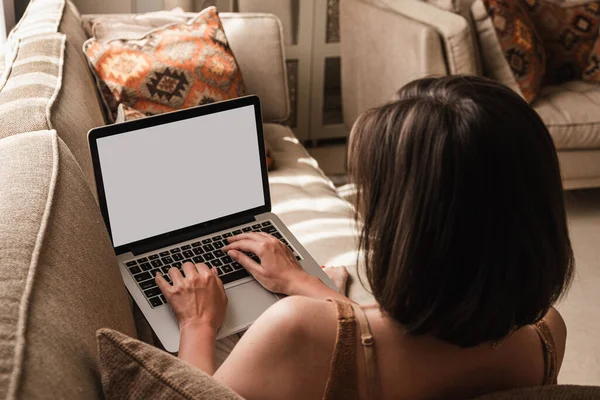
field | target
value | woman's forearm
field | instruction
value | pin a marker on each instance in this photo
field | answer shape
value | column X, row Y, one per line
column 197, row 346
column 313, row 287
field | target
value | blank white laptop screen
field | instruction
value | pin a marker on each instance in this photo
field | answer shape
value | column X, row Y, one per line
column 171, row 176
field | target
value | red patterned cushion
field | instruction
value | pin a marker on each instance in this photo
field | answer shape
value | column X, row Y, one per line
column 568, row 33
column 177, row 66
column 521, row 45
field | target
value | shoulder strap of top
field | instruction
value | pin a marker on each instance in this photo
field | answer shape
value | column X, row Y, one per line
column 550, row 360
column 341, row 382
column 367, row 342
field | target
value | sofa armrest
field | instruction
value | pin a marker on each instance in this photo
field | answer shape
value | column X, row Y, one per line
column 388, row 43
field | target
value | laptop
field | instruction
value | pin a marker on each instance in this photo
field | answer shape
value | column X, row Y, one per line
column 172, row 188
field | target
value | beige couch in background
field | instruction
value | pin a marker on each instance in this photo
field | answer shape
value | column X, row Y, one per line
column 387, row 43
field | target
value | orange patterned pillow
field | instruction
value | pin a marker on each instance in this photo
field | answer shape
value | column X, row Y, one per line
column 177, row 66
column 568, row 33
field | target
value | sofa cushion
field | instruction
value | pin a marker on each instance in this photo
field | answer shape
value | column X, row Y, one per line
column 53, row 242
column 568, row 34
column 307, row 202
column 255, row 39
column 511, row 49
column 133, row 24
column 30, row 83
column 135, row 370
column 571, row 112
column 72, row 108
column 169, row 68
column 448, row 5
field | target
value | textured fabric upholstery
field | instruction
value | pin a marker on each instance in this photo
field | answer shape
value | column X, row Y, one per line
column 79, row 107
column 580, row 168
column 59, row 280
column 307, row 202
column 555, row 392
column 31, row 83
column 453, row 29
column 282, row 9
column 256, row 41
column 134, row 370
column 128, row 25
column 371, row 70
column 571, row 112
column 388, row 43
column 448, row 5
column 47, row 43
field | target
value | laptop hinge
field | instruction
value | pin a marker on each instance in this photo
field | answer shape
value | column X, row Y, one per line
column 171, row 240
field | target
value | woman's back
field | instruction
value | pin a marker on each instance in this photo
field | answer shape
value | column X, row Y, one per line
column 408, row 367
column 465, row 244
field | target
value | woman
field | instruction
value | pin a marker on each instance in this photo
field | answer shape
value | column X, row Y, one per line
column 466, row 246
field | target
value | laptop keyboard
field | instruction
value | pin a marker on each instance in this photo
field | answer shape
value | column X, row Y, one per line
column 207, row 251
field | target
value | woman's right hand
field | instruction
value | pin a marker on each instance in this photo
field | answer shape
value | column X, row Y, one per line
column 198, row 298
column 278, row 271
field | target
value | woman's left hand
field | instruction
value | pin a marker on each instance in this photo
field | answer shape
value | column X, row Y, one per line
column 278, row 271
column 198, row 299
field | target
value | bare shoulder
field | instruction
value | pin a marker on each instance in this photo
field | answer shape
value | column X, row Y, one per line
column 558, row 328
column 275, row 339
column 297, row 313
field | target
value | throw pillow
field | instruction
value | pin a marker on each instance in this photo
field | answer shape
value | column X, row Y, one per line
column 131, row 369
column 154, row 19
column 592, row 72
column 125, row 113
column 448, row 5
column 568, row 33
column 519, row 43
column 177, row 66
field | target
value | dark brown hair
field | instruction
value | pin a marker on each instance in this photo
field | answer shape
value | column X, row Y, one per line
column 464, row 225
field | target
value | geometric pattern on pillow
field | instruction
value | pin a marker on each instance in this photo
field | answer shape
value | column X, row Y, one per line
column 173, row 67
column 568, row 34
column 520, row 43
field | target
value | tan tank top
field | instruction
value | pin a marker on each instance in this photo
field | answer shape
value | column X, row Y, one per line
column 343, row 377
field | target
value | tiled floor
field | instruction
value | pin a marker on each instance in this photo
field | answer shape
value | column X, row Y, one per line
column 581, row 307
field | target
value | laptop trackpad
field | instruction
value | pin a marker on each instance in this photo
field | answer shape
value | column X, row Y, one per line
column 246, row 303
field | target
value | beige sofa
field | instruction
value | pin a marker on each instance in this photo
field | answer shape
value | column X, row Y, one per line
column 58, row 278
column 387, row 43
